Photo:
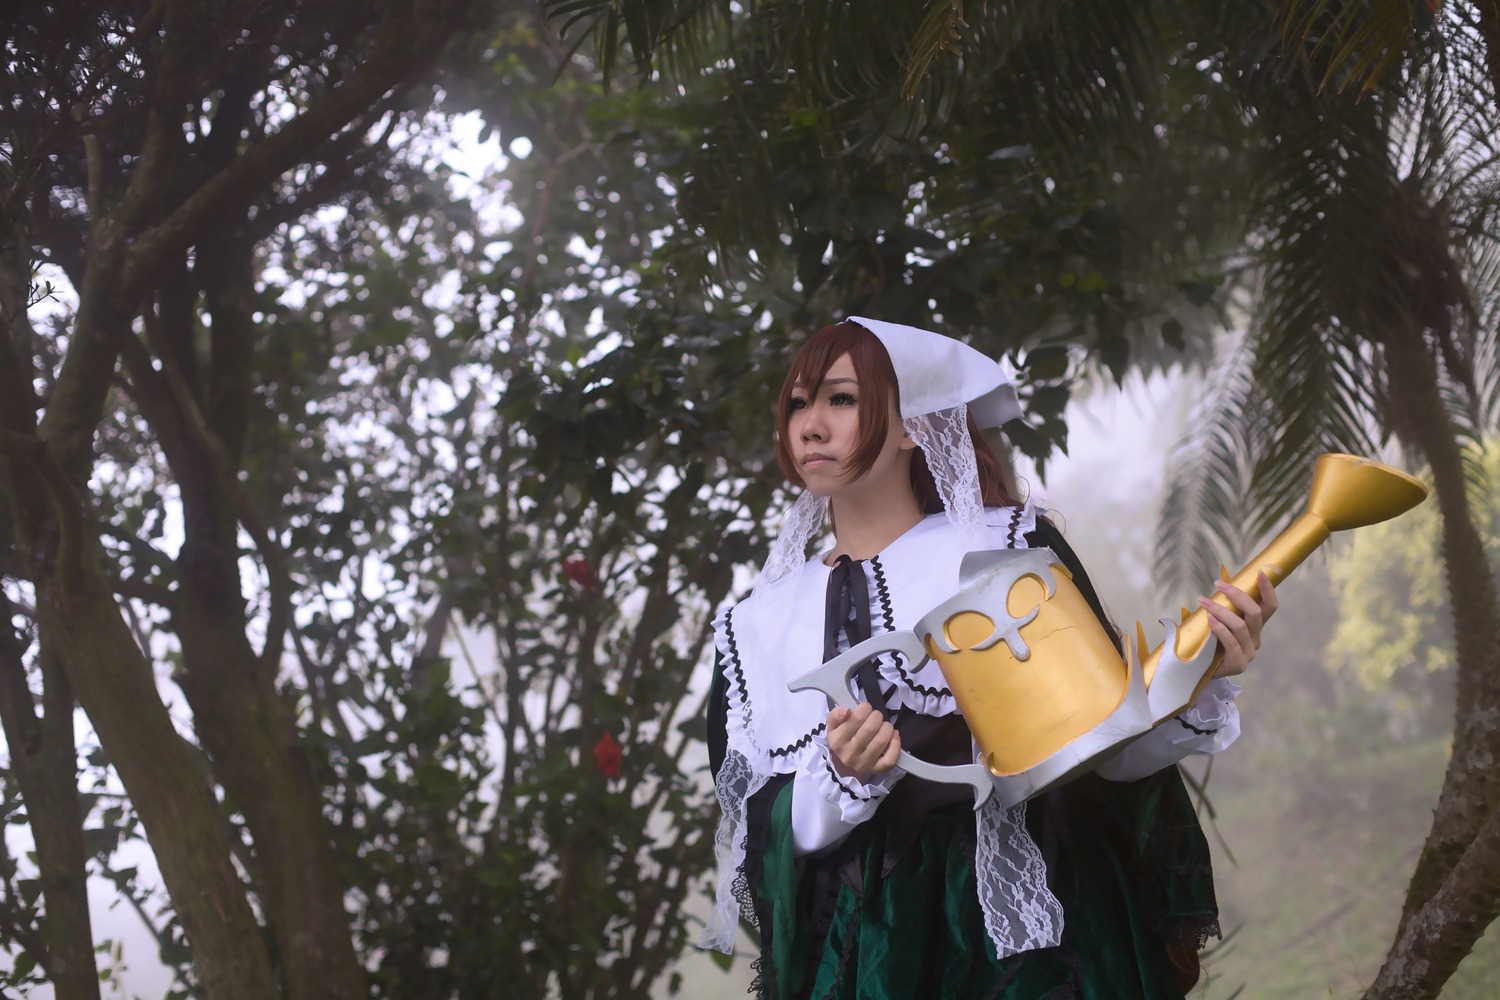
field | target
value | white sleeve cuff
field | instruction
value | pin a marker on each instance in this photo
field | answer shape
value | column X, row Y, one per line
column 826, row 806
column 1209, row 725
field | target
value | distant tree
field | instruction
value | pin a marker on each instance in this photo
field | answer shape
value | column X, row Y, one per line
column 1395, row 625
column 1372, row 316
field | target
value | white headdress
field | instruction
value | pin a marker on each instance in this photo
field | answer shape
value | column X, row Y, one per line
column 941, row 381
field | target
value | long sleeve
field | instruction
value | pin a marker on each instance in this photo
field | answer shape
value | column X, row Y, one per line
column 1209, row 725
column 826, row 807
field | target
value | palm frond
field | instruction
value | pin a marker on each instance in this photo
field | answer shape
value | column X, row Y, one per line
column 941, row 28
column 1487, row 362
column 1357, row 42
column 1202, row 519
column 651, row 32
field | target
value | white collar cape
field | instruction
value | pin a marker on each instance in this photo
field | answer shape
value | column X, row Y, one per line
column 775, row 635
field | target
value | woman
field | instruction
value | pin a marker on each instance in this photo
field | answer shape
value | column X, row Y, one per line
column 866, row 885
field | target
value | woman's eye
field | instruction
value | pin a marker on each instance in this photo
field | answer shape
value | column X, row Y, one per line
column 797, row 403
column 842, row 399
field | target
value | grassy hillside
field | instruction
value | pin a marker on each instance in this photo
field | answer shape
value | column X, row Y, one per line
column 1311, row 899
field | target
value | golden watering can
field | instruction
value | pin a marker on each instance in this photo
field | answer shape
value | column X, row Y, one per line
column 1040, row 682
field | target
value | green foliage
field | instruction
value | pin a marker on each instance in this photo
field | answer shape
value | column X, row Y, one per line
column 1357, row 41
column 961, row 195
column 20, row 900
column 1394, row 620
column 1369, row 219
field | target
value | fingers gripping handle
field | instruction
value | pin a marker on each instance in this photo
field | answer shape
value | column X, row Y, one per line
column 832, row 678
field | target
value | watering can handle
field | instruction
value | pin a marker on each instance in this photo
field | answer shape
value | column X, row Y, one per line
column 832, row 678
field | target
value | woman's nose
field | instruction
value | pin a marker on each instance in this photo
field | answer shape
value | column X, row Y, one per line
column 812, row 425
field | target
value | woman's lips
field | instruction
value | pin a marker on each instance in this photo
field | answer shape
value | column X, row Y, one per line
column 816, row 460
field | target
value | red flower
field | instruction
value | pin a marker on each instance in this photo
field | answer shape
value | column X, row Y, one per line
column 578, row 570
column 607, row 755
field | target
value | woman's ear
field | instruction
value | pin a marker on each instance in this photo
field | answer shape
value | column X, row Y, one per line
column 906, row 443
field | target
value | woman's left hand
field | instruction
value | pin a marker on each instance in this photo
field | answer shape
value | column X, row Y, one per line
column 1239, row 633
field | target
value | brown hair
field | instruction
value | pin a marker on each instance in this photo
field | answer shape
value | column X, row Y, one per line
column 877, row 380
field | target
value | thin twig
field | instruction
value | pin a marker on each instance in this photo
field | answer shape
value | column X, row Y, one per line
column 93, row 152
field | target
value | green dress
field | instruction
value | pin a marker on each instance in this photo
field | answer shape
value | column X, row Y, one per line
column 1132, row 876
column 892, row 912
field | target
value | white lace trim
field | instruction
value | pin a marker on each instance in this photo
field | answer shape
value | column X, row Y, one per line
column 943, row 436
column 1020, row 912
column 803, row 520
column 736, row 783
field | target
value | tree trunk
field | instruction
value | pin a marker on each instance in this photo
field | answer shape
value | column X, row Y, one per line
column 251, row 736
column 1471, row 786
column 1438, row 937
column 247, row 729
column 117, row 688
column 44, row 759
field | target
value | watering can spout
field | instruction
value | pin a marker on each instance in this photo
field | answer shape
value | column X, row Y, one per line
column 1347, row 492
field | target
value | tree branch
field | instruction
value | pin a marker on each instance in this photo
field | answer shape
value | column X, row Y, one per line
column 44, row 758
column 152, row 395
column 94, row 157
column 32, row 451
column 410, row 37
column 339, row 168
column 277, row 574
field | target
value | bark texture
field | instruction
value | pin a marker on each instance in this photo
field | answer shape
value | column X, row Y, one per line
column 1443, row 932
column 43, row 757
column 1471, row 786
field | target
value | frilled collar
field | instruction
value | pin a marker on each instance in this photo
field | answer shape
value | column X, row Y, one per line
column 767, row 640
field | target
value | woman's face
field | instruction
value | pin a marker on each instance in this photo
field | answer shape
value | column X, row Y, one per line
column 824, row 433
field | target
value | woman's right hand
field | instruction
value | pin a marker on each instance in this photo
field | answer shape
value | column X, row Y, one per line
column 862, row 744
